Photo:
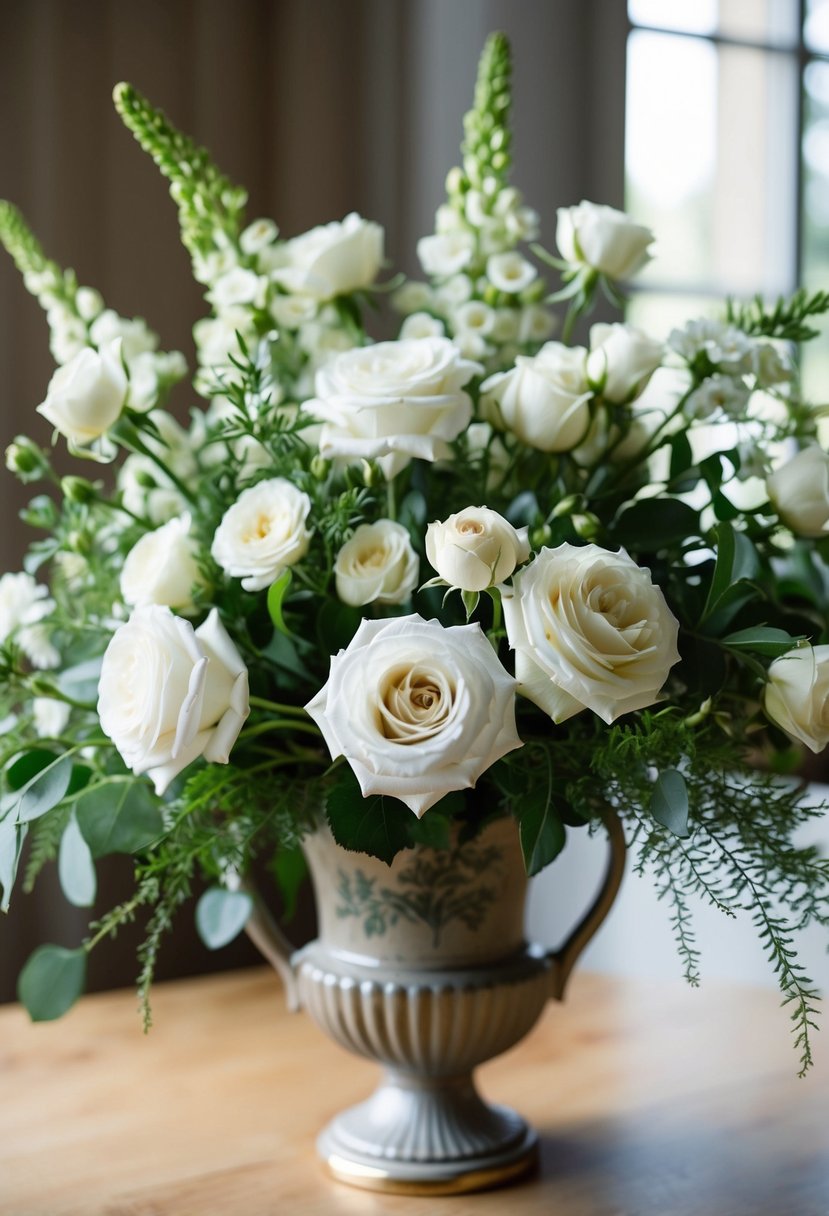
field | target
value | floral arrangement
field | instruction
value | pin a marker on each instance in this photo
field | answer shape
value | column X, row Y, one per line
column 557, row 581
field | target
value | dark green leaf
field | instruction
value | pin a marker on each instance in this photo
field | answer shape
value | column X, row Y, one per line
column 736, row 560
column 12, row 836
column 43, row 791
column 276, row 596
column 51, row 982
column 523, row 509
column 669, row 802
column 763, row 639
column 76, row 869
column 376, row 825
column 27, row 766
column 222, row 915
column 290, row 869
column 541, row 832
column 681, row 455
column 282, row 652
column 118, row 817
column 413, row 510
column 654, row 523
column 336, row 625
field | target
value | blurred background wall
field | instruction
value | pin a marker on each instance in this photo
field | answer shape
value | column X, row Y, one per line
column 708, row 118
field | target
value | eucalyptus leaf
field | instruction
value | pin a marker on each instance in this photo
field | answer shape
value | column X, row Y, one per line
column 32, row 762
column 669, row 802
column 51, row 982
column 43, row 791
column 118, row 817
column 222, row 915
column 76, row 868
column 81, row 681
column 12, row 835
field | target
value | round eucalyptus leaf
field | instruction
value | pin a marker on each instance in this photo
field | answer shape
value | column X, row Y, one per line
column 51, row 982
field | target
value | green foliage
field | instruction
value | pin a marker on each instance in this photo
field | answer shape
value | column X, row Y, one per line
column 51, row 982
column 785, row 319
column 487, row 134
column 221, row 916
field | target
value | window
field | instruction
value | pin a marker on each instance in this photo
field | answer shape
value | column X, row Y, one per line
column 727, row 155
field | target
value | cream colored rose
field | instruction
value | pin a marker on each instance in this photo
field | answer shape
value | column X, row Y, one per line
column 169, row 694
column 333, row 259
column 416, row 709
column 543, row 400
column 161, row 568
column 85, row 397
column 476, row 548
column 393, row 401
column 603, row 239
column 622, row 360
column 589, row 630
column 377, row 565
column 799, row 491
column 797, row 695
column 263, row 533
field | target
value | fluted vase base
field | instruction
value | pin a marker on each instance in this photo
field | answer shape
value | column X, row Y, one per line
column 427, row 1136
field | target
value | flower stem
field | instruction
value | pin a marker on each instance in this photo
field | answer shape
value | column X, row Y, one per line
column 278, row 707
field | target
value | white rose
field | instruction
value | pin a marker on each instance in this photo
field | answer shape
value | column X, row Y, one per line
column 377, row 565
column 417, row 710
column 603, row 239
column 263, row 533
column 797, row 695
column 169, row 694
column 622, row 360
column 510, row 272
column 446, row 253
column 85, row 397
column 475, row 548
column 543, row 400
column 393, row 401
column 799, row 491
column 333, row 259
column 589, row 630
column 161, row 568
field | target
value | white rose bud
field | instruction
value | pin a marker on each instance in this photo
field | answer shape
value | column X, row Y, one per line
column 333, row 259
column 417, row 710
column 377, row 565
column 85, row 397
column 543, row 400
column 161, row 568
column 622, row 360
column 799, row 491
column 589, row 630
column 603, row 239
column 263, row 533
column 476, row 548
column 169, row 694
column 797, row 695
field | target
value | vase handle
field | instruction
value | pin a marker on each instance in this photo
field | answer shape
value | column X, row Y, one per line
column 268, row 938
column 564, row 959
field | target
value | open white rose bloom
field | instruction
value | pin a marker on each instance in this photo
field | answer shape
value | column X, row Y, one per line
column 483, row 568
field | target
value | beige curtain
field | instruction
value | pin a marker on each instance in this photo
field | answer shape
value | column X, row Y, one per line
column 319, row 107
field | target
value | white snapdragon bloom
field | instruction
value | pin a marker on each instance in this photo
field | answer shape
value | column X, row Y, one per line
column 602, row 239
column 475, row 548
column 85, row 397
column 724, row 346
column 161, row 568
column 797, row 695
column 510, row 272
column 393, row 401
column 24, row 608
column 454, row 291
column 50, row 717
column 417, row 710
column 722, row 393
column 263, row 533
column 475, row 317
column 209, row 267
column 537, row 324
column 622, row 360
column 216, row 337
column 413, row 296
column 258, row 236
column 333, row 259
column 238, row 287
column 589, row 630
column 377, row 565
column 770, row 365
column 421, row 325
column 135, row 336
column 799, row 492
column 89, row 303
column 169, row 694
column 506, row 326
column 447, row 253
column 543, row 400
column 67, row 335
column 291, row 312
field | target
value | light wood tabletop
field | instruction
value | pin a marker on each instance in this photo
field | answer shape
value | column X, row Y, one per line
column 651, row 1100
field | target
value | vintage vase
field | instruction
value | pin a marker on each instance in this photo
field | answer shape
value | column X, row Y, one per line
column 423, row 967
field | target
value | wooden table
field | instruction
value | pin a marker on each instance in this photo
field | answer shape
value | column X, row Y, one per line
column 651, row 1100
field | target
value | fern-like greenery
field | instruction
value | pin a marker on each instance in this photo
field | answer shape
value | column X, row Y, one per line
column 786, row 318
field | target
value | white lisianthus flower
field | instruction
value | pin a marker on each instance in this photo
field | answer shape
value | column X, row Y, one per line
column 24, row 607
column 291, row 312
column 718, row 392
column 543, row 400
column 377, row 565
column 258, row 235
column 161, row 568
column 474, row 317
column 421, row 325
column 135, row 335
column 413, row 296
column 393, row 401
column 510, row 272
column 475, row 548
column 723, row 345
column 50, row 717
column 169, row 694
column 417, row 710
column 263, row 533
column 589, row 630
column 797, row 695
column 622, row 360
column 238, row 287
column 603, row 239
column 333, row 259
column 799, row 492
column 446, row 253
column 85, row 397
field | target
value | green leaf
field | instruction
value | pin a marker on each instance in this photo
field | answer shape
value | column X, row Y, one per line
column 470, row 601
column 12, row 836
column 541, row 832
column 276, row 596
column 222, row 915
column 76, row 869
column 81, row 681
column 654, row 523
column 290, row 869
column 336, row 625
column 763, row 639
column 682, row 457
column 41, row 792
column 51, row 982
column 118, row 817
column 27, row 766
column 375, row 825
column 669, row 802
column 283, row 653
column 413, row 510
column 736, row 560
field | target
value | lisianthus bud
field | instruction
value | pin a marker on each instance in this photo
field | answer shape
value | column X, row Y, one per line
column 25, row 459
column 77, row 489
